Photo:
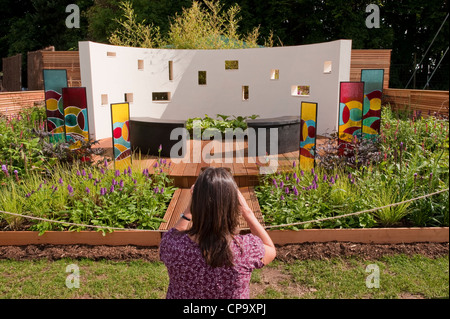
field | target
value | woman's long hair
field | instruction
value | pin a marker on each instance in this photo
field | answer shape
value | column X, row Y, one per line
column 215, row 215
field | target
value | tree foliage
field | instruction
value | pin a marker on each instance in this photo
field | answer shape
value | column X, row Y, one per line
column 406, row 26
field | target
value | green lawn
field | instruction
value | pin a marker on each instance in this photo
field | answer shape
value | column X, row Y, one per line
column 400, row 277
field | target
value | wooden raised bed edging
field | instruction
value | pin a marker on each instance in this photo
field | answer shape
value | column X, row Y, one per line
column 116, row 238
column 279, row 237
column 363, row 235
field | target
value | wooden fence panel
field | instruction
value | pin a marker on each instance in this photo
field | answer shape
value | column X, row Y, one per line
column 425, row 101
column 370, row 59
column 66, row 60
column 12, row 73
column 11, row 103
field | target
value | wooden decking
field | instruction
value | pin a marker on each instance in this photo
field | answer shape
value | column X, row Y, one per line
column 181, row 199
column 184, row 172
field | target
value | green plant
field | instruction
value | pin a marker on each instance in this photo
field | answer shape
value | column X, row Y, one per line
column 221, row 123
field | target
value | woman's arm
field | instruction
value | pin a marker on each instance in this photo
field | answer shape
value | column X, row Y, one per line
column 258, row 230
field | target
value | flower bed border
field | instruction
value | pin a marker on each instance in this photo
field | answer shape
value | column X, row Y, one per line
column 279, row 237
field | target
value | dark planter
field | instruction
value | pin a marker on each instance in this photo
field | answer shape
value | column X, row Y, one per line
column 288, row 134
column 147, row 134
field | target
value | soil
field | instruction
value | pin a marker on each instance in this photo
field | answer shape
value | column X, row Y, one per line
column 286, row 253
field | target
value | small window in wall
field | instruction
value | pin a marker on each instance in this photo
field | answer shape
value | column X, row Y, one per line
column 161, row 96
column 245, row 94
column 111, row 54
column 170, row 70
column 275, row 74
column 129, row 97
column 201, row 77
column 300, row 90
column 231, row 65
column 140, row 64
column 327, row 67
column 104, row 99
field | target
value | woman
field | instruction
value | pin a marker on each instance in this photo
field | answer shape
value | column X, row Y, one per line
column 204, row 253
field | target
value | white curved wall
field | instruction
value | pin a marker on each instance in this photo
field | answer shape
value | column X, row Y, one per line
column 297, row 65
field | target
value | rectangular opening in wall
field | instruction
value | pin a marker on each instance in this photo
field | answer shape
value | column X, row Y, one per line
column 245, row 94
column 104, row 99
column 161, row 96
column 140, row 64
column 300, row 90
column 327, row 67
column 201, row 77
column 275, row 74
column 129, row 97
column 170, row 70
column 231, row 65
column 111, row 54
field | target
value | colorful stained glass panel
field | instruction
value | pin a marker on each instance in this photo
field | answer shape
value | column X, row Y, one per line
column 350, row 111
column 120, row 116
column 54, row 81
column 75, row 115
column 308, row 128
column 373, row 90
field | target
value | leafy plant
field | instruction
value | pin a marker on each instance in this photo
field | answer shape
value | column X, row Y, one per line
column 221, row 123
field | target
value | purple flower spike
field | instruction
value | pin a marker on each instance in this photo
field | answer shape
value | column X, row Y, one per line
column 60, row 181
column 282, row 197
column 160, row 148
column 102, row 171
column 295, row 191
column 105, row 163
column 274, row 181
column 103, row 191
column 87, row 190
column 90, row 176
column 83, row 172
column 5, row 170
column 121, row 183
column 302, row 173
column 294, row 164
column 325, row 178
column 117, row 174
column 111, row 189
column 295, row 175
column 332, row 181
column 312, row 170
column 78, row 173
column 70, row 189
column 162, row 190
column 281, row 184
column 287, row 177
column 129, row 170
column 155, row 165
column 287, row 190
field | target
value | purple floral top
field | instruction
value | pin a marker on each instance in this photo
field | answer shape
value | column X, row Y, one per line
column 190, row 276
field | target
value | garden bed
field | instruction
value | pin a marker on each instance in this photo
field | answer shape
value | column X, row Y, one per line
column 279, row 237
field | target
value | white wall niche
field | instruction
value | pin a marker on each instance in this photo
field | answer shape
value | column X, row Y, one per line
column 327, row 66
column 300, row 90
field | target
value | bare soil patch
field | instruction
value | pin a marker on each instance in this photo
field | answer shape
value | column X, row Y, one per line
column 285, row 253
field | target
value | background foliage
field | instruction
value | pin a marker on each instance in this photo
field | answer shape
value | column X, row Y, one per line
column 407, row 27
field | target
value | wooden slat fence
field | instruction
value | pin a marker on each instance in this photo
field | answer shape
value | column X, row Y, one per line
column 370, row 59
column 66, row 60
column 12, row 73
column 11, row 103
column 418, row 100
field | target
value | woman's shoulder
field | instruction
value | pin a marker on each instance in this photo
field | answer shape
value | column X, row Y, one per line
column 172, row 235
column 249, row 240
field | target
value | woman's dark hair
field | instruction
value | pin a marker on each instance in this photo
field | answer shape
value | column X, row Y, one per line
column 215, row 215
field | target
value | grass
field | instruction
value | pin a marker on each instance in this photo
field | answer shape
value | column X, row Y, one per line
column 400, row 277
